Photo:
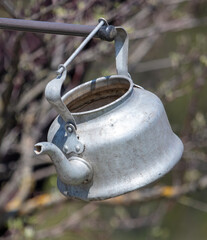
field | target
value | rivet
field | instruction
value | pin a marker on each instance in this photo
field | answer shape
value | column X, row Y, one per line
column 65, row 149
column 77, row 148
column 70, row 130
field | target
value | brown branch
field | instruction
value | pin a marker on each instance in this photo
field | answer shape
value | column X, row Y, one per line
column 121, row 222
column 151, row 219
column 141, row 51
column 44, row 173
column 41, row 201
column 18, row 187
column 47, row 9
column 189, row 202
column 74, row 219
column 139, row 196
column 159, row 192
column 153, row 65
column 192, row 108
column 124, row 9
column 144, row 47
column 172, row 26
column 30, row 95
column 6, row 104
column 9, row 7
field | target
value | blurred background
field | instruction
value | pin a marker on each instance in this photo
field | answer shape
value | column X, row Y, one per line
column 167, row 55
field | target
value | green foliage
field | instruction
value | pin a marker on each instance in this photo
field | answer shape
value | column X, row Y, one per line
column 15, row 223
column 160, row 233
column 50, row 184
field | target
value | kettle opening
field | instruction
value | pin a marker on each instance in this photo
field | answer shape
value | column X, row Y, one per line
column 37, row 149
column 98, row 94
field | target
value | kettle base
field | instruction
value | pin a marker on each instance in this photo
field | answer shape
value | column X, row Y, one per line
column 87, row 192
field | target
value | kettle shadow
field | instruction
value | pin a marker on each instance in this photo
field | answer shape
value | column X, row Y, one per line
column 93, row 82
column 80, row 191
column 60, row 136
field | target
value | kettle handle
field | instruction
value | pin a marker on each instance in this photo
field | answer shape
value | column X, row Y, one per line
column 53, row 88
column 53, row 96
column 121, row 50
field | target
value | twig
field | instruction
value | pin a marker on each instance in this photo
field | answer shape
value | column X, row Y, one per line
column 41, row 201
column 141, row 51
column 8, row 6
column 8, row 141
column 48, row 9
column 175, row 25
column 144, row 47
column 21, row 182
column 5, row 98
column 176, row 1
column 139, row 222
column 74, row 219
column 159, row 192
column 44, row 173
column 189, row 202
column 123, row 9
column 30, row 95
column 139, row 196
column 153, row 65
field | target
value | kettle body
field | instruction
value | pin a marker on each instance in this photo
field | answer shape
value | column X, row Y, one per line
column 111, row 136
column 128, row 139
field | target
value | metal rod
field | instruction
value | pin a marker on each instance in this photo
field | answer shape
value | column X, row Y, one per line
column 55, row 28
column 82, row 45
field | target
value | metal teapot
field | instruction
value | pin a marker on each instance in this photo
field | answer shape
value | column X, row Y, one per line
column 111, row 136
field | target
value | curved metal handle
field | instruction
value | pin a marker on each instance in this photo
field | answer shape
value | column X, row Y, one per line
column 53, row 88
column 53, row 96
column 121, row 50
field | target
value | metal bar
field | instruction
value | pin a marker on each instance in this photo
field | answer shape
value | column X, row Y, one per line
column 55, row 28
column 82, row 45
column 45, row 27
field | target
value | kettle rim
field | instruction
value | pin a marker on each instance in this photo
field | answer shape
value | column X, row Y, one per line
column 98, row 82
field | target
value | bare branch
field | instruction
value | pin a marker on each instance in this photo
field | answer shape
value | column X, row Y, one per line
column 74, row 219
column 173, row 26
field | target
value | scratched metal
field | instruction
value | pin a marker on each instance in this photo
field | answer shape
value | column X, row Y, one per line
column 111, row 136
column 129, row 143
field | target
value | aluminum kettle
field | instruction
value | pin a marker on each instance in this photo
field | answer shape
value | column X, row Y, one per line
column 111, row 136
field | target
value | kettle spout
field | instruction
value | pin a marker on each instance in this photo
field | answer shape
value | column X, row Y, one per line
column 73, row 171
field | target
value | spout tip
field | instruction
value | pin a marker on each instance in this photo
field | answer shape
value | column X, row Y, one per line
column 38, row 149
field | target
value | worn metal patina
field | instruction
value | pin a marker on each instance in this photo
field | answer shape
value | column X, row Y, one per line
column 115, row 138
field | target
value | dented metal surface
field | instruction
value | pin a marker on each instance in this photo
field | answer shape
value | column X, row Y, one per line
column 129, row 143
column 115, row 138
